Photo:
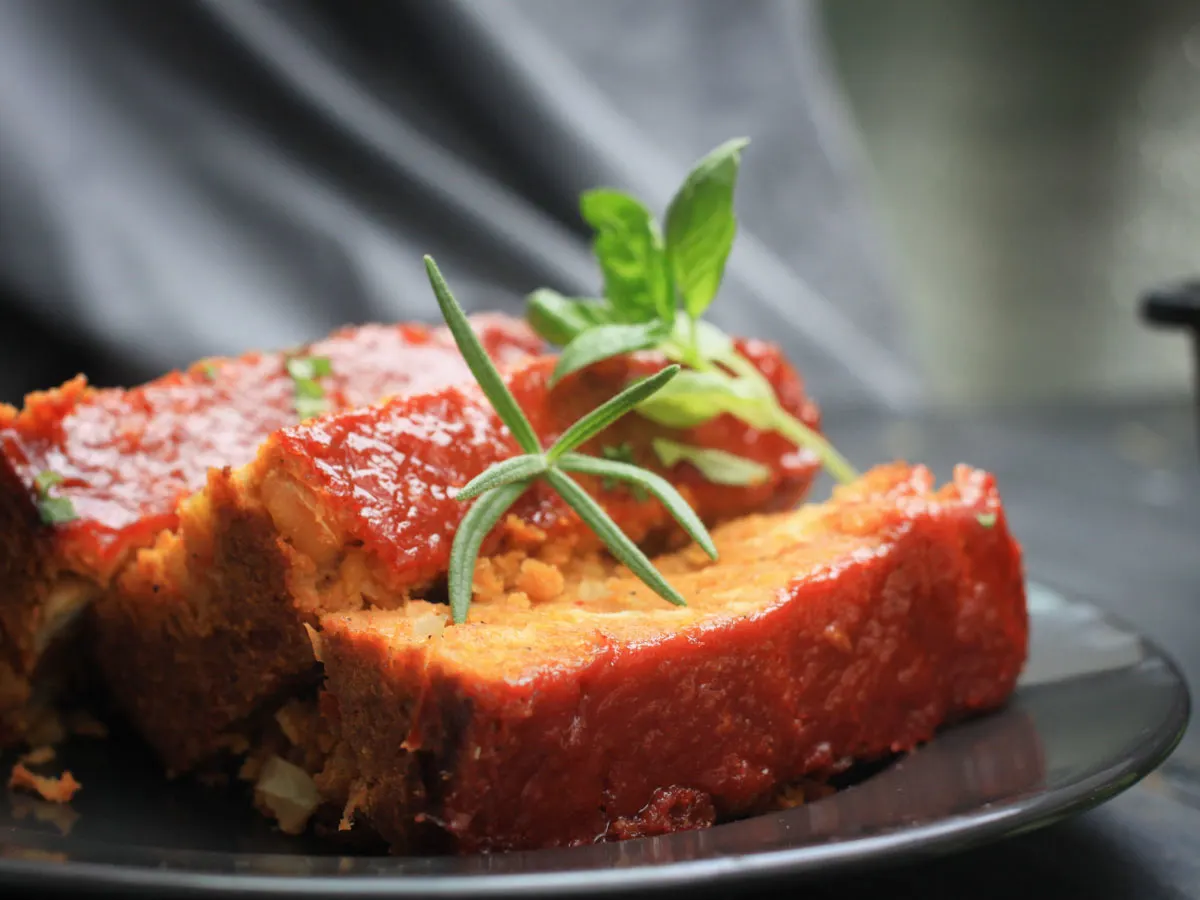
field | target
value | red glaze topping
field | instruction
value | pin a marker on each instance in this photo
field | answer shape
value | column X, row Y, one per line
column 902, row 613
column 129, row 456
column 388, row 473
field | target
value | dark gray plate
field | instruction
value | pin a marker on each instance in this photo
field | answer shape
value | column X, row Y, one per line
column 1098, row 708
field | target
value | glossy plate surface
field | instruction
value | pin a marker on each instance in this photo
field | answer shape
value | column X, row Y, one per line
column 1098, row 708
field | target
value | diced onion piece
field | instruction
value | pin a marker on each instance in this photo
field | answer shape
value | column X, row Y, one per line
column 288, row 792
column 428, row 625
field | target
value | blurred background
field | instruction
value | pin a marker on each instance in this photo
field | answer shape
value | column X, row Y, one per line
column 947, row 213
column 947, row 203
column 1036, row 167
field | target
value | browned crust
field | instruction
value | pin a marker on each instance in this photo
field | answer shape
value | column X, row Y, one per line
column 391, row 787
column 188, row 658
column 26, row 573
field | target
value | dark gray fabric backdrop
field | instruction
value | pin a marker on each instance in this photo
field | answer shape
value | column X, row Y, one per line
column 206, row 176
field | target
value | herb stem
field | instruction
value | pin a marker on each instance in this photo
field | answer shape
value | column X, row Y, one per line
column 480, row 519
column 495, row 490
column 803, row 436
column 617, row 542
column 791, row 427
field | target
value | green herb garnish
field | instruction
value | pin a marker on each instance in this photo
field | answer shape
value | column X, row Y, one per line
column 622, row 453
column 209, row 370
column 718, row 466
column 656, row 290
column 309, row 398
column 987, row 520
column 496, row 489
column 52, row 510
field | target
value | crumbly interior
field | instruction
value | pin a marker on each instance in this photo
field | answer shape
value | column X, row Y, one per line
column 297, row 765
column 30, row 696
column 527, row 597
column 65, row 601
column 537, row 602
column 331, row 574
column 535, row 591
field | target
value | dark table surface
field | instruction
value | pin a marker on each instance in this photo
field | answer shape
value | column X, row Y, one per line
column 1106, row 503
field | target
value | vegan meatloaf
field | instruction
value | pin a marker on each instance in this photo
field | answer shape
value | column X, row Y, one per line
column 591, row 710
column 206, row 629
column 124, row 458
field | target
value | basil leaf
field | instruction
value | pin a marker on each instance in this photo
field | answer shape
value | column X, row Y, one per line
column 519, row 468
column 480, row 519
column 618, row 543
column 604, row 341
column 629, row 247
column 716, row 466
column 604, row 415
column 701, row 226
column 481, row 366
column 647, row 481
column 559, row 319
column 693, row 398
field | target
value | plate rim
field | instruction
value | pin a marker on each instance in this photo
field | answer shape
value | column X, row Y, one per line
column 928, row 840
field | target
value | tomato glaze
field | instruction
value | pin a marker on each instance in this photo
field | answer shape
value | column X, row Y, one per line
column 128, row 457
column 389, row 473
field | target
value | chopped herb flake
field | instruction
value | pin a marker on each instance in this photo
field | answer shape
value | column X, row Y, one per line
column 310, row 396
column 308, row 407
column 52, row 510
column 304, row 368
column 43, row 481
column 987, row 520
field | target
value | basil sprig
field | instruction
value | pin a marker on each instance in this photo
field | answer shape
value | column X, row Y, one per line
column 498, row 488
column 656, row 289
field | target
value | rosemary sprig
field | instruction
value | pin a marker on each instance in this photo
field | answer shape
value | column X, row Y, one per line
column 498, row 488
column 656, row 290
column 620, row 453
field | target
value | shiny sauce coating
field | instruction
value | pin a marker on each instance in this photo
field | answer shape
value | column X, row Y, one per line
column 127, row 457
column 389, row 473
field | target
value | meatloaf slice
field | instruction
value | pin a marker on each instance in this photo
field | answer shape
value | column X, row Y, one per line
column 126, row 457
column 832, row 634
column 356, row 510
